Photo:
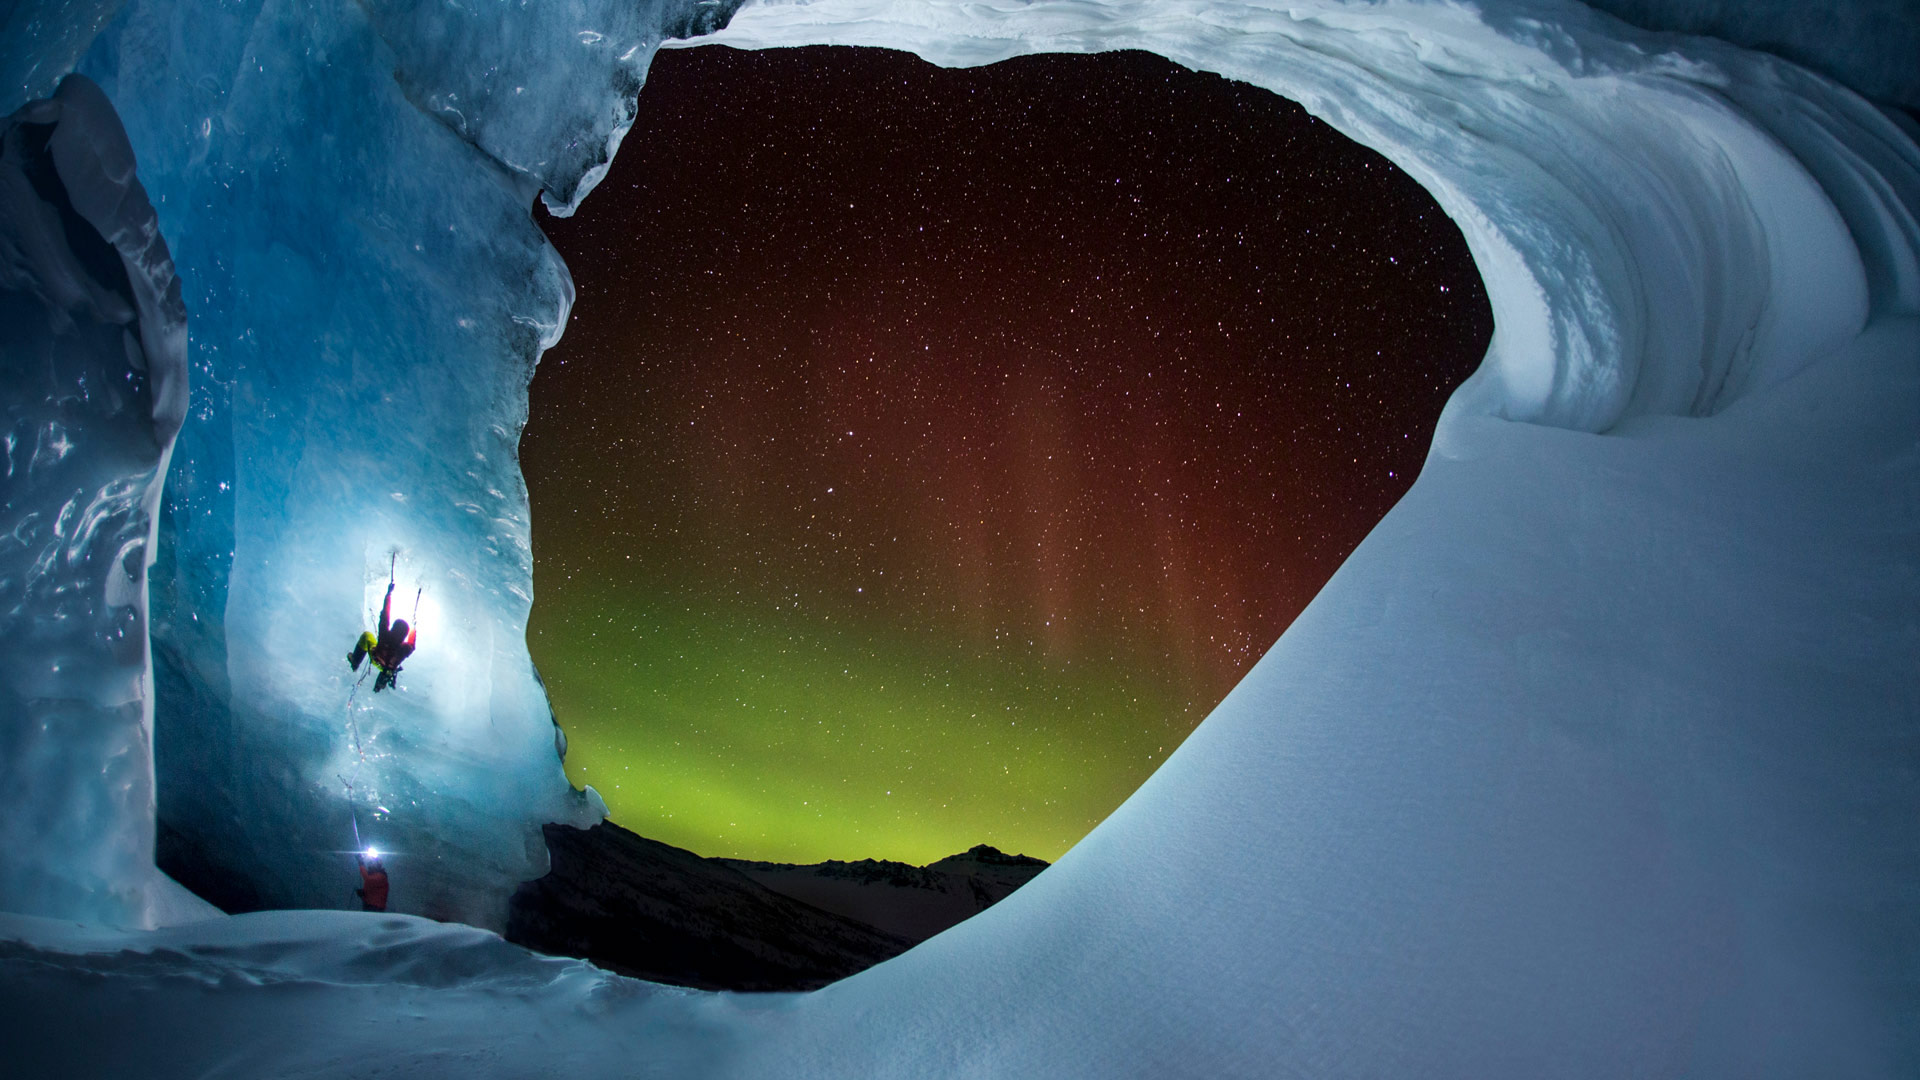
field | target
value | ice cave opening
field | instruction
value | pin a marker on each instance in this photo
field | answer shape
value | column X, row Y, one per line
column 1596, row 758
column 910, row 478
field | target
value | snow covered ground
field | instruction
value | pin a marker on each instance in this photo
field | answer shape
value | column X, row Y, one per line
column 331, row 993
column 1600, row 757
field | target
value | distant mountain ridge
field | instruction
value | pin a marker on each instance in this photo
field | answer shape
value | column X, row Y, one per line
column 666, row 914
column 914, row 902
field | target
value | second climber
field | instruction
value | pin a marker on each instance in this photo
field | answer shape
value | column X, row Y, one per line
column 373, row 882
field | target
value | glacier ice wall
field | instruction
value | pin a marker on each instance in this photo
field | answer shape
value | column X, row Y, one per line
column 41, row 41
column 346, row 188
column 93, row 374
column 368, row 295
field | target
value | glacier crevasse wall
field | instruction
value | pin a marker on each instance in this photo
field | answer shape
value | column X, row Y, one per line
column 93, row 374
column 346, row 188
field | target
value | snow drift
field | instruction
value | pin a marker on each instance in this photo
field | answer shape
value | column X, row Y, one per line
column 1597, row 758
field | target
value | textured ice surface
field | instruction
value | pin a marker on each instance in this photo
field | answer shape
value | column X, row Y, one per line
column 93, row 376
column 1869, row 44
column 347, row 187
column 1600, row 757
column 500, row 73
column 325, row 993
column 41, row 40
column 367, row 295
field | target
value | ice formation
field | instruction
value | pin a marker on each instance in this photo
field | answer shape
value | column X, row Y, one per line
column 346, row 190
column 93, row 373
column 1597, row 758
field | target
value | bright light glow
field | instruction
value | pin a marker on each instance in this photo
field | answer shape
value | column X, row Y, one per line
column 373, row 853
column 425, row 617
column 413, row 600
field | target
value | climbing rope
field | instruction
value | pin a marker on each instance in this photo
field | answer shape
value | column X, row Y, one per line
column 349, row 783
column 353, row 728
column 360, row 752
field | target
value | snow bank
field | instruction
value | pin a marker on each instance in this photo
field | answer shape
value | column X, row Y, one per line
column 323, row 993
column 41, row 40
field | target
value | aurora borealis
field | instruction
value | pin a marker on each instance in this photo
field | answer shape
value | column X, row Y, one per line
column 931, row 450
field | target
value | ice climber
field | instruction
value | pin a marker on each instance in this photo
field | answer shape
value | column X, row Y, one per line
column 388, row 649
column 373, row 883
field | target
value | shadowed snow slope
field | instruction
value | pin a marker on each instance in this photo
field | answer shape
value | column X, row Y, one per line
column 1600, row 757
column 326, row 993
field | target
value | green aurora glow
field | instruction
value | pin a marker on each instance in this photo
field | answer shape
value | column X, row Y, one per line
column 791, row 739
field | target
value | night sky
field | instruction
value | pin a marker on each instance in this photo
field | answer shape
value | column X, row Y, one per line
column 931, row 450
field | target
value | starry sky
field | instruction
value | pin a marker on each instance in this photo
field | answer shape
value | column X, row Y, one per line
column 930, row 451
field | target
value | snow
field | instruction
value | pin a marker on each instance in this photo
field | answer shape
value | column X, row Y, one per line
column 1597, row 758
column 326, row 993
column 41, row 40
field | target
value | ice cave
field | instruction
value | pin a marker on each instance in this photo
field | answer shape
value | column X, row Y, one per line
column 1599, row 757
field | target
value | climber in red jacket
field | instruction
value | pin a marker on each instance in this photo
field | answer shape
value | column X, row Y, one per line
column 373, row 883
column 388, row 649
